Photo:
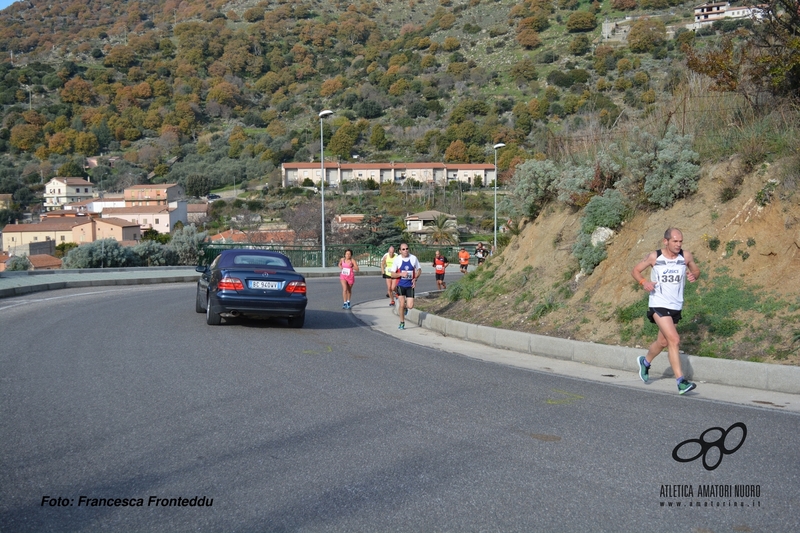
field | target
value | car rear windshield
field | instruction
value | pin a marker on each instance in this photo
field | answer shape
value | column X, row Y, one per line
column 254, row 260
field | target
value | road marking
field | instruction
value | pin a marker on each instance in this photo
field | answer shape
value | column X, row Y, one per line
column 569, row 400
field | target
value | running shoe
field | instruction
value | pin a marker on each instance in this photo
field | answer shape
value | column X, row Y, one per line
column 402, row 325
column 685, row 386
column 387, row 295
column 644, row 372
column 344, row 305
column 347, row 305
column 391, row 304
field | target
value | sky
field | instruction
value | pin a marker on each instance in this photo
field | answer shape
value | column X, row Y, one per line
column 5, row 3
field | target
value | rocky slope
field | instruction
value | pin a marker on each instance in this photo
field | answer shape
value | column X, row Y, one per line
column 745, row 305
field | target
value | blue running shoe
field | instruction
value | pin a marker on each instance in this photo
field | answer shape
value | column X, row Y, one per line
column 684, row 386
column 402, row 325
column 644, row 371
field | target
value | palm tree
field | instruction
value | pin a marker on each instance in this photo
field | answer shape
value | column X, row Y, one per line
column 445, row 230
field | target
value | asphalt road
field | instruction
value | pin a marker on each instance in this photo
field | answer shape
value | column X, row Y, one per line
column 125, row 392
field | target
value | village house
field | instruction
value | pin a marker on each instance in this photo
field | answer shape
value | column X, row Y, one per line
column 423, row 224
column 61, row 191
column 707, row 14
column 44, row 262
column 149, row 195
column 19, row 238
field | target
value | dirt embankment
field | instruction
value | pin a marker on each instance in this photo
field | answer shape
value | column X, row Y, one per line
column 536, row 286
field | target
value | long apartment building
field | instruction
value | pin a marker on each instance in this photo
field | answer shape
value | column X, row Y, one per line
column 294, row 174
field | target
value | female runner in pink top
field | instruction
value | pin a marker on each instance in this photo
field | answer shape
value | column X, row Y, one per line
column 349, row 267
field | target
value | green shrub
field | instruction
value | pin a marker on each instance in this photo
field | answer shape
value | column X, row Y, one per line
column 608, row 210
column 18, row 263
column 588, row 256
column 667, row 166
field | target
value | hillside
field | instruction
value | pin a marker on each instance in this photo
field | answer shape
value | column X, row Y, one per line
column 171, row 91
column 532, row 286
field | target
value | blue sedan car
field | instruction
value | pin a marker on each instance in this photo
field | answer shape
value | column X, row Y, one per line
column 251, row 283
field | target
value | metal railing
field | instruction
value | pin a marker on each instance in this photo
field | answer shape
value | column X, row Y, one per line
column 311, row 256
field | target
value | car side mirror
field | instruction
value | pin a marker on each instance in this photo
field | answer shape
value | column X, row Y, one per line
column 202, row 269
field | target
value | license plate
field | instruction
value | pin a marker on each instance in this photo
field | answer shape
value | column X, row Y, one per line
column 269, row 285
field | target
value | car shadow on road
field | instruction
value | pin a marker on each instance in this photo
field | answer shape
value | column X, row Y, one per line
column 320, row 319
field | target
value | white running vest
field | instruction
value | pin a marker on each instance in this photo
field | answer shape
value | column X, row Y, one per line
column 669, row 276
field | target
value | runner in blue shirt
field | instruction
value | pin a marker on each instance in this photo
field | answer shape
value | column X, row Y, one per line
column 407, row 269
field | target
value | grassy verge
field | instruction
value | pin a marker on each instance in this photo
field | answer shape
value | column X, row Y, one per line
column 723, row 318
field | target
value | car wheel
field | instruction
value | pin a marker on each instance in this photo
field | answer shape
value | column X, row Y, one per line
column 297, row 321
column 198, row 303
column 212, row 318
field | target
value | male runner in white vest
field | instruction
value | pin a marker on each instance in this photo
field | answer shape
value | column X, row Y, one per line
column 670, row 267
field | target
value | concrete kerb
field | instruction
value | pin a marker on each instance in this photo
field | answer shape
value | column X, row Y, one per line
column 762, row 376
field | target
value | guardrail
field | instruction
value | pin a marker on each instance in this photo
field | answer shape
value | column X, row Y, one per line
column 311, row 256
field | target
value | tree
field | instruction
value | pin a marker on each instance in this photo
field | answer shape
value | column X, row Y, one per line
column 523, row 71
column 78, row 91
column 529, row 39
column 766, row 61
column 101, row 253
column 581, row 21
column 533, row 186
column 332, row 86
column 445, row 230
column 86, row 143
column 341, row 144
column 456, row 152
column 186, row 243
column 198, row 185
column 70, row 169
column 120, row 57
column 623, row 5
column 646, row 34
column 580, row 45
column 18, row 263
column 25, row 137
column 378, row 137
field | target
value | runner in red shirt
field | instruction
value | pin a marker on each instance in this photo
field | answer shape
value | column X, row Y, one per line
column 440, row 263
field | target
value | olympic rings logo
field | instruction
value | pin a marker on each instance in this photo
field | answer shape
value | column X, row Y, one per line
column 706, row 446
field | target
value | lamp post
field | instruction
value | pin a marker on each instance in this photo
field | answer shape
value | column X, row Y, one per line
column 496, row 148
column 322, row 115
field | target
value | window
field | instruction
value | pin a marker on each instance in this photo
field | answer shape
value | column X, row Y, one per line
column 63, row 238
column 36, row 238
column 156, row 221
column 144, row 221
column 86, row 189
column 77, row 190
column 47, row 238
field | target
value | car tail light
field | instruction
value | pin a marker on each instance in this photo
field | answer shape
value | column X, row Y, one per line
column 297, row 287
column 230, row 284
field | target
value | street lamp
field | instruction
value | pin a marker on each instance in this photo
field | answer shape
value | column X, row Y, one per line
column 322, row 115
column 496, row 148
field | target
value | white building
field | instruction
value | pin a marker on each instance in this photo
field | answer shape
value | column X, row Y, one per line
column 61, row 191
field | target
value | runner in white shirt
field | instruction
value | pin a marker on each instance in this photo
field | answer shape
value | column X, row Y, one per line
column 407, row 269
column 670, row 267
